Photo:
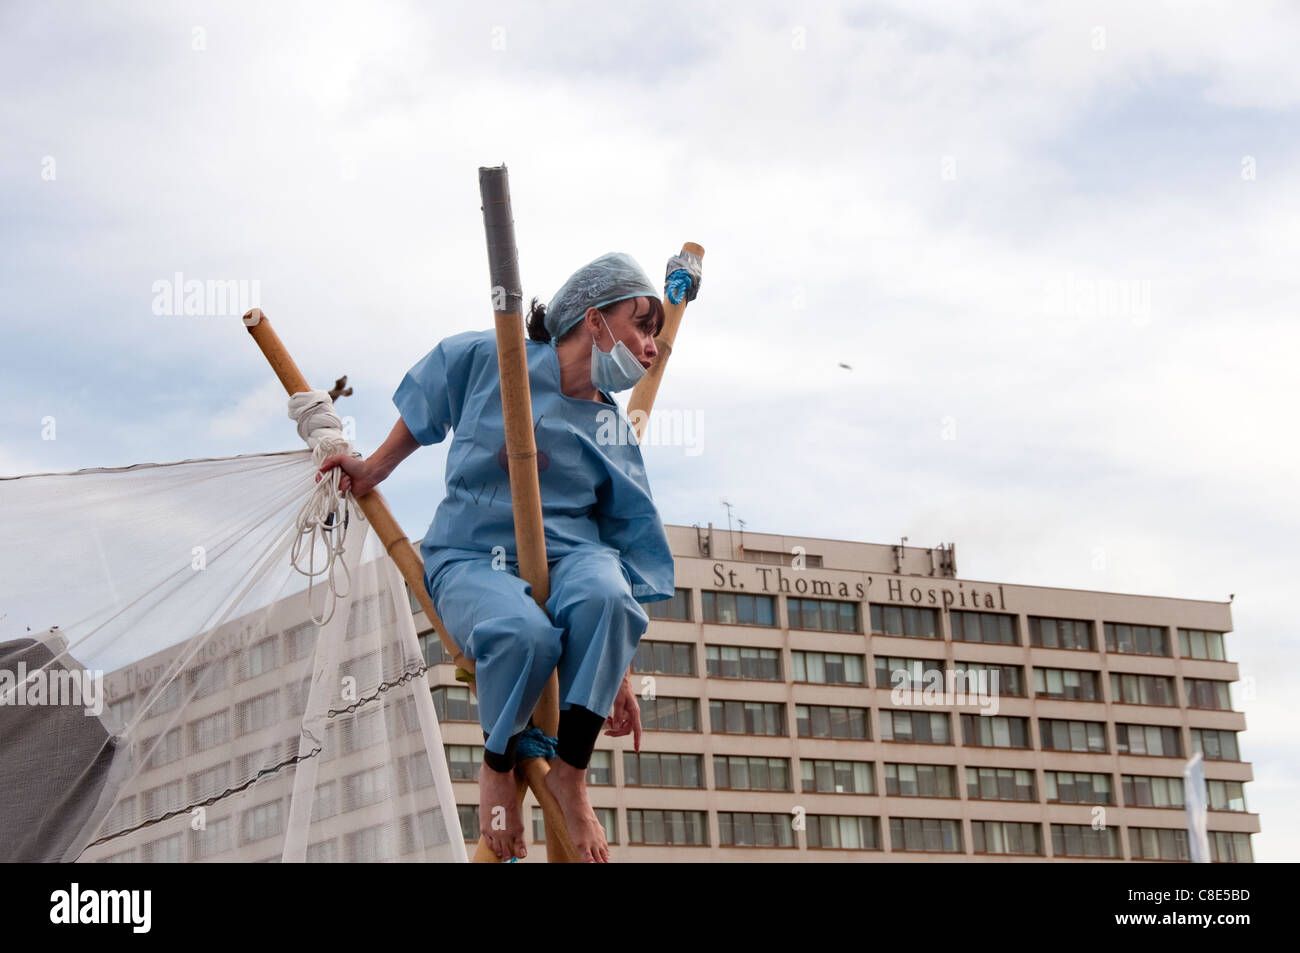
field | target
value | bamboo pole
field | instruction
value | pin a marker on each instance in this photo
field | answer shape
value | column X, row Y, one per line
column 643, row 396
column 525, row 488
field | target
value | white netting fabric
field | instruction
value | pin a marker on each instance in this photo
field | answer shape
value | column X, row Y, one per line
column 231, row 726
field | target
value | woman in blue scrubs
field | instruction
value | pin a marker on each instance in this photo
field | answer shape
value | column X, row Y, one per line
column 605, row 543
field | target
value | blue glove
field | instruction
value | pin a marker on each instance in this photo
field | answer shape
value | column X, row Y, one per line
column 682, row 277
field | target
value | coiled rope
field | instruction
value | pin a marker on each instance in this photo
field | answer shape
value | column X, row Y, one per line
column 325, row 513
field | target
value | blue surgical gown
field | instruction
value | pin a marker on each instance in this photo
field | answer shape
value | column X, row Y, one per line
column 593, row 481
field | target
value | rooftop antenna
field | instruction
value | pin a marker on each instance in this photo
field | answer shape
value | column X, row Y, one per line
column 729, row 537
column 742, row 533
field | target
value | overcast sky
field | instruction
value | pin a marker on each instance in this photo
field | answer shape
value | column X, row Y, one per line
column 1054, row 244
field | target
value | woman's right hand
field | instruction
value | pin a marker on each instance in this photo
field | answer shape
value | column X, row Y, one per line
column 358, row 476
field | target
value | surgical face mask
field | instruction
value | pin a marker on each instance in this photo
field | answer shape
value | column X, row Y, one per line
column 616, row 369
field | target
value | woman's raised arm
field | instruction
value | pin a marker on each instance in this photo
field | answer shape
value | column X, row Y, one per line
column 362, row 476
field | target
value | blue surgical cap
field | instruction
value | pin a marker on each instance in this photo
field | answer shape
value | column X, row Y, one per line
column 610, row 278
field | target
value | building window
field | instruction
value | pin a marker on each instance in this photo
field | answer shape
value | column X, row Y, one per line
column 920, row 780
column 989, row 627
column 166, row 850
column 422, row 831
column 163, row 799
column 300, row 640
column 754, row 830
column 738, row 772
column 361, row 730
column 908, row 622
column 987, row 678
column 121, row 816
column 432, row 650
column 1006, row 837
column 204, row 784
column 925, row 834
column 122, row 709
column 1157, row 843
column 1197, row 643
column 1215, row 745
column 907, row 673
column 1226, row 795
column 822, row 721
column 676, row 609
column 209, row 732
column 664, row 658
column 323, row 852
column 1069, row 683
column 454, row 703
column 994, row 731
column 463, row 761
column 258, row 713
column 1230, row 848
column 261, row 658
column 1073, row 634
column 666, row 713
column 1137, row 639
column 167, row 700
column 265, row 820
column 324, row 800
column 371, row 844
column 738, row 609
column 606, row 816
column 730, row 717
column 600, row 769
column 915, row 727
column 208, row 679
column 651, row 769
column 837, row 832
column 1131, row 689
column 826, row 668
column 365, row 787
column 742, row 661
column 1057, row 734
column 1207, row 693
column 823, row 615
column 1145, row 791
column 212, row 841
column 1078, row 787
column 468, row 816
column 1082, row 840
column 414, row 772
column 1159, row 741
column 1000, row 784
column 823, row 776
column 675, row 828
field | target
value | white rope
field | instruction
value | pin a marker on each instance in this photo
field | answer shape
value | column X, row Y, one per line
column 324, row 515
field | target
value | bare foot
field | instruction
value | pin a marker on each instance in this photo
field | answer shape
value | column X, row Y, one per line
column 569, row 787
column 497, row 789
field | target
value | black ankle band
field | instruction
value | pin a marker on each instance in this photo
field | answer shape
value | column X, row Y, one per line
column 501, row 762
column 579, row 729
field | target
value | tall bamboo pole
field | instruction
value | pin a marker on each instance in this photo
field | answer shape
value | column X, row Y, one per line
column 642, row 400
column 525, row 488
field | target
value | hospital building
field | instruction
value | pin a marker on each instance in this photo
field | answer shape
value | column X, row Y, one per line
column 812, row 700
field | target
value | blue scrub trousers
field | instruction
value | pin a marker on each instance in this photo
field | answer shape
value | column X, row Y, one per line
column 491, row 615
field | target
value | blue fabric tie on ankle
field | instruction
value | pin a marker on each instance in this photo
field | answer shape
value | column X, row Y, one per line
column 535, row 743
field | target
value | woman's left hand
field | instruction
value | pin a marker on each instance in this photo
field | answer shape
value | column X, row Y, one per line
column 626, row 716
